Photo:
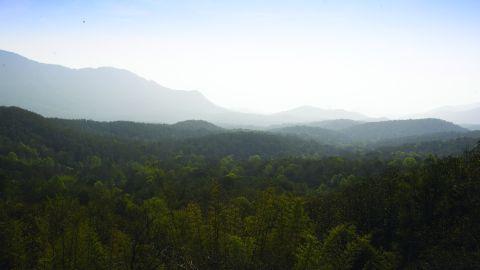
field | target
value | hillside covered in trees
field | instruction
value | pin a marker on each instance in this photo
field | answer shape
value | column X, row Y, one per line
column 348, row 131
column 80, row 194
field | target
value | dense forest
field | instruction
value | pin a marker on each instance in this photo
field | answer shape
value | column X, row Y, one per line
column 78, row 194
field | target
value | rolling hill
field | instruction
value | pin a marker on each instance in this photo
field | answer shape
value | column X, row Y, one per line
column 319, row 134
column 159, row 140
column 142, row 131
column 336, row 124
column 382, row 132
column 376, row 131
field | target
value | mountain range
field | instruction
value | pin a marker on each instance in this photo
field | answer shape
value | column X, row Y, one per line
column 332, row 132
column 100, row 94
column 110, row 94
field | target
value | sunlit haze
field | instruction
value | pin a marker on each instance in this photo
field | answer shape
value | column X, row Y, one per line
column 381, row 58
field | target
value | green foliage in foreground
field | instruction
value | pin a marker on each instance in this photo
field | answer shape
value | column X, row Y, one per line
column 187, row 213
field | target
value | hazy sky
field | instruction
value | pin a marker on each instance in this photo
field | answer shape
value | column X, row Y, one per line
column 376, row 57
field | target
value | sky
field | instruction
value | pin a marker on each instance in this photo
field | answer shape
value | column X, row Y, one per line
column 381, row 58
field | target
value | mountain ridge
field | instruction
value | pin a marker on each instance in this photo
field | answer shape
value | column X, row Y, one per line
column 372, row 132
column 111, row 94
column 95, row 93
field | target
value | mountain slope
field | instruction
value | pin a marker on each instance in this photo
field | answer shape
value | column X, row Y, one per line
column 243, row 144
column 100, row 94
column 441, row 144
column 384, row 132
column 336, row 124
column 375, row 131
column 322, row 135
column 142, row 131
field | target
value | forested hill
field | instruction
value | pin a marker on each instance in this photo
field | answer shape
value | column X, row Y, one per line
column 337, row 124
column 375, row 131
column 128, row 140
column 143, row 131
column 323, row 135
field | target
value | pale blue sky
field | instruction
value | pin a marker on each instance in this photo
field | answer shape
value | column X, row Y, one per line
column 376, row 57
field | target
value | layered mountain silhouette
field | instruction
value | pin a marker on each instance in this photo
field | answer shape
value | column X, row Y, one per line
column 109, row 94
